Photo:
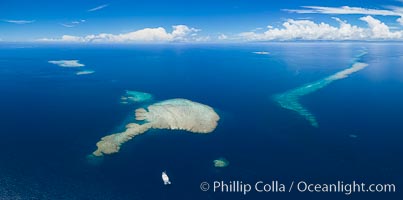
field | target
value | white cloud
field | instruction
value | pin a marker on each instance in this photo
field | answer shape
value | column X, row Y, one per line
column 67, row 63
column 180, row 33
column 222, row 37
column 257, row 29
column 343, row 10
column 67, row 25
column 73, row 23
column 19, row 21
column 98, row 8
column 309, row 30
column 347, row 10
column 78, row 22
column 200, row 39
column 400, row 20
column 380, row 30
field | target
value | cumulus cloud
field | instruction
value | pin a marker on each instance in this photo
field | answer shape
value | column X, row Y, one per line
column 222, row 37
column 19, row 21
column 400, row 20
column 347, row 10
column 309, row 30
column 66, row 63
column 98, row 8
column 180, row 33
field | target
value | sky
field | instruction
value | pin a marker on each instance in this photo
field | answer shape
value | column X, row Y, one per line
column 126, row 21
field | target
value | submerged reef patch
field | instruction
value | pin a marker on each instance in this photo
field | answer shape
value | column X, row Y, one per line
column 85, row 72
column 66, row 63
column 291, row 99
column 221, row 162
column 72, row 64
column 353, row 136
column 173, row 114
column 261, row 52
column 135, row 97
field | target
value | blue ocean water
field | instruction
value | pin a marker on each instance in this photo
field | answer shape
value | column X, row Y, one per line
column 51, row 119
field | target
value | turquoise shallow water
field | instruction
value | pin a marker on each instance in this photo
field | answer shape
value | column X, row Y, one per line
column 51, row 119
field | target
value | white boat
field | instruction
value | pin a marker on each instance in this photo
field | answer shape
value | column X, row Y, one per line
column 165, row 178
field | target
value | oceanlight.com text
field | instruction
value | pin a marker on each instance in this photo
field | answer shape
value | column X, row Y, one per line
column 346, row 188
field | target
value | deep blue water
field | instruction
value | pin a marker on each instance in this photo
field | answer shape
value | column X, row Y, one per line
column 50, row 119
